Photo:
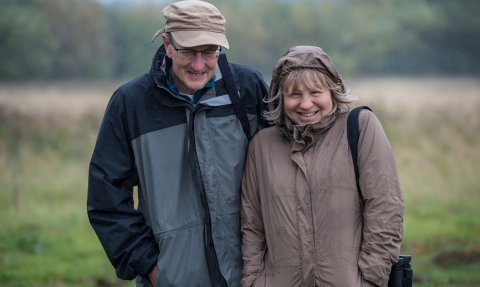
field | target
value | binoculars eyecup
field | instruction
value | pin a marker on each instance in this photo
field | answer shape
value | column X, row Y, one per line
column 401, row 273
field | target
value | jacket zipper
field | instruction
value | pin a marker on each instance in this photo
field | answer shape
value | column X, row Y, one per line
column 211, row 253
column 313, row 225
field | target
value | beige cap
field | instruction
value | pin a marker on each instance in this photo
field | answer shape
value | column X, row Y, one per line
column 194, row 23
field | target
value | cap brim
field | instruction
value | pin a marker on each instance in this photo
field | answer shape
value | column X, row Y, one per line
column 190, row 39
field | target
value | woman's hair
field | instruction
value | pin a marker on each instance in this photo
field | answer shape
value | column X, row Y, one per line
column 311, row 79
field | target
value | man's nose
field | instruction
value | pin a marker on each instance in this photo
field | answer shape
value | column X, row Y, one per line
column 198, row 63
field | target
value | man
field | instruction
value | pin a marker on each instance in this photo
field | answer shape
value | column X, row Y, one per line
column 175, row 133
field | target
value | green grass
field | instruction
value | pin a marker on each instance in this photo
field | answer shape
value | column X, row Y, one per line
column 438, row 156
column 46, row 239
column 45, row 236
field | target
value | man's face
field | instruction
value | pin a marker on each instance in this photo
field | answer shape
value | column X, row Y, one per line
column 190, row 73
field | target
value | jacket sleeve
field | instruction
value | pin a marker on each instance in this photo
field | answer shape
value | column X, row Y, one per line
column 127, row 240
column 253, row 234
column 382, row 195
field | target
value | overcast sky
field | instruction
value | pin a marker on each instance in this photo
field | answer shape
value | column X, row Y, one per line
column 133, row 2
column 123, row 2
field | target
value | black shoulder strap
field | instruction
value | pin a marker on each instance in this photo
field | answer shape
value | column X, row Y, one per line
column 234, row 96
column 353, row 133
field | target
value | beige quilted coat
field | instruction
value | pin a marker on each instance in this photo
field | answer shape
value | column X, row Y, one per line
column 301, row 215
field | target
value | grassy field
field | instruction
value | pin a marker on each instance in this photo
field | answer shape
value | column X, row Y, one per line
column 47, row 133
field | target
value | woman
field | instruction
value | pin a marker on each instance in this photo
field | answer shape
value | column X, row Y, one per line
column 302, row 223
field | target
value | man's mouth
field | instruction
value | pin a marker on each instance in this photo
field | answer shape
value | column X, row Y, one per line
column 196, row 74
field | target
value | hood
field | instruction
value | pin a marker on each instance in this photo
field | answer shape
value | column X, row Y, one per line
column 159, row 64
column 302, row 57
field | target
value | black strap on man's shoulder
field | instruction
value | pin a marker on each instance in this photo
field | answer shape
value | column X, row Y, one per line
column 234, row 96
column 353, row 134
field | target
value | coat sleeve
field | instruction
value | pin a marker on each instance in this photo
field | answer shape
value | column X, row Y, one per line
column 253, row 234
column 382, row 195
column 127, row 240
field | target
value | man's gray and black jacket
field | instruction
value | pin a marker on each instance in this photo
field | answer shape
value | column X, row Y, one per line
column 187, row 161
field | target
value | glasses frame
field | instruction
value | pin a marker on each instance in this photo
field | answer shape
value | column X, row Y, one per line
column 217, row 51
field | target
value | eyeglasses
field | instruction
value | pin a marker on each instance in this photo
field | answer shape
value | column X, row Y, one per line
column 189, row 54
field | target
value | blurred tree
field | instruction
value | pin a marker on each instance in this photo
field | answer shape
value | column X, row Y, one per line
column 378, row 36
column 81, row 48
column 80, row 39
column 48, row 39
column 25, row 41
column 453, row 43
column 131, row 30
column 364, row 37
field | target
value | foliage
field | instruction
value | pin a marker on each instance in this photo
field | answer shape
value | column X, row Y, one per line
column 437, row 154
column 47, row 39
column 131, row 32
column 80, row 44
column 45, row 237
column 25, row 42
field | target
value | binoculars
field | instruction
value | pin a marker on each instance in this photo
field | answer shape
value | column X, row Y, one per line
column 402, row 273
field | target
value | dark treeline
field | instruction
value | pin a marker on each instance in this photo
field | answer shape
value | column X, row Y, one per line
column 75, row 39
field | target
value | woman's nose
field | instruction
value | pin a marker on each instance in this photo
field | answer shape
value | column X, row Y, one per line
column 306, row 103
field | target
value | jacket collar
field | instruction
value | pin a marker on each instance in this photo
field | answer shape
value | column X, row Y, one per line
column 303, row 137
column 160, row 63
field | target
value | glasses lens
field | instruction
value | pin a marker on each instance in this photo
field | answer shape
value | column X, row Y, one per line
column 192, row 54
column 187, row 54
column 209, row 55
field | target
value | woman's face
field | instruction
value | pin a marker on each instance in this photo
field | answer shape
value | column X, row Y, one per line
column 304, row 106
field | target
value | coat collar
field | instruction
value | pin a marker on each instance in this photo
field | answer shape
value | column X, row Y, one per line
column 303, row 137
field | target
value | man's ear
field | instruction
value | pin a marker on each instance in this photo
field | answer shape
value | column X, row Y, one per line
column 167, row 44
